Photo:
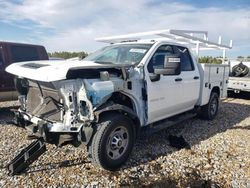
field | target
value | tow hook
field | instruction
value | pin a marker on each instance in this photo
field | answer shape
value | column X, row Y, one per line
column 26, row 157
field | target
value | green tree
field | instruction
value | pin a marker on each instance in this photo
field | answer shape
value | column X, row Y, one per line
column 67, row 55
column 240, row 58
column 210, row 59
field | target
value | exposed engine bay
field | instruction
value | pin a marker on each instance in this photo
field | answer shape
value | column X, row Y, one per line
column 71, row 105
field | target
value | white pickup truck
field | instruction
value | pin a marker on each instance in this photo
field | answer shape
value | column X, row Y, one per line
column 104, row 100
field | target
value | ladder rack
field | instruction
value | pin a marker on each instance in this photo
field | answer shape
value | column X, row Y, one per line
column 197, row 39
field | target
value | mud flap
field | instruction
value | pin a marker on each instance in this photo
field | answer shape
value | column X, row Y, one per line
column 26, row 157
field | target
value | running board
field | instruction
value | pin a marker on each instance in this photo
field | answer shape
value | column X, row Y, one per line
column 26, row 157
column 163, row 124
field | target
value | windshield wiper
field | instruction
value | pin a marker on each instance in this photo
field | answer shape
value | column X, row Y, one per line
column 104, row 62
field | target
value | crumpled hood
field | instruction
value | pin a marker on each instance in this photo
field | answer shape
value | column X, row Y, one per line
column 48, row 71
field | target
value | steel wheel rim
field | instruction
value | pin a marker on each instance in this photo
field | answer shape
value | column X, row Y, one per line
column 213, row 107
column 117, row 142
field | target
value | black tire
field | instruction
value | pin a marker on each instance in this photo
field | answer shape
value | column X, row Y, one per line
column 108, row 140
column 240, row 70
column 245, row 71
column 210, row 110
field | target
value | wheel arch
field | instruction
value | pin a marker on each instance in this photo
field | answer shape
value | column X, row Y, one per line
column 216, row 89
column 122, row 109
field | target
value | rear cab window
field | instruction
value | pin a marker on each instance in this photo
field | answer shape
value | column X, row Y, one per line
column 24, row 53
column 186, row 60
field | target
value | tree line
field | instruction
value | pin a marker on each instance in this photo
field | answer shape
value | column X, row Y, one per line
column 210, row 59
column 82, row 54
column 68, row 55
column 218, row 60
column 242, row 58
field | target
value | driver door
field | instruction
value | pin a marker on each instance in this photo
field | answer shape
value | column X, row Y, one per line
column 164, row 95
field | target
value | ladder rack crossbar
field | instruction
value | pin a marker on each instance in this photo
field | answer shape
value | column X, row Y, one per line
column 187, row 36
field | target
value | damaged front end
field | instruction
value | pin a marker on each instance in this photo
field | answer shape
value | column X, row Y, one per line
column 67, row 102
column 55, row 111
column 62, row 112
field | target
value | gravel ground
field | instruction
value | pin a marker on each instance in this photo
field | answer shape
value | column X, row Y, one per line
column 219, row 156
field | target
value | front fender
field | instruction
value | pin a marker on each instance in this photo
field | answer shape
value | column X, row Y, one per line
column 115, row 107
column 121, row 109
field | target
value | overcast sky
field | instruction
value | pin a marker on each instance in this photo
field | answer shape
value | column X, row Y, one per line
column 72, row 25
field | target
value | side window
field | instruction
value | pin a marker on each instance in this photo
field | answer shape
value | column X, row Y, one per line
column 186, row 60
column 157, row 61
column 24, row 53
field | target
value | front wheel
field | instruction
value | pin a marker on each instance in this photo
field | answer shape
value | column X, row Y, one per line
column 210, row 110
column 112, row 142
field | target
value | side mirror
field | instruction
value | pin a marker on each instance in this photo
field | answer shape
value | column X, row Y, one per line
column 172, row 66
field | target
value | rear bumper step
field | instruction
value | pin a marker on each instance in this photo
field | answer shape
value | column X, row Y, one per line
column 26, row 157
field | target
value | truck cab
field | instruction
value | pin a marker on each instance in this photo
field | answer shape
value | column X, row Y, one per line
column 169, row 89
column 11, row 53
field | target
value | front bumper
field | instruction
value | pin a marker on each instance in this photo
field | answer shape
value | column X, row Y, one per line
column 54, row 127
column 53, row 132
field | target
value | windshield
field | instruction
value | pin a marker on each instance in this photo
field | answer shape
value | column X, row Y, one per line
column 120, row 54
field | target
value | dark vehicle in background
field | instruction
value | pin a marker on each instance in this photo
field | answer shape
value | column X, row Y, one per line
column 11, row 53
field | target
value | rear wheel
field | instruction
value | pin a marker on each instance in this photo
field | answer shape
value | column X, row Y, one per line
column 210, row 110
column 112, row 142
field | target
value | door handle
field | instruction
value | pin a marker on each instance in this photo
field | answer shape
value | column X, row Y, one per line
column 178, row 79
column 196, row 77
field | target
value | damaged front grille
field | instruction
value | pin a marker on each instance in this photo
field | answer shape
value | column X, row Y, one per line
column 43, row 101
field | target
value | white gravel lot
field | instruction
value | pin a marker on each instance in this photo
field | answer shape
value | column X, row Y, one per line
column 219, row 156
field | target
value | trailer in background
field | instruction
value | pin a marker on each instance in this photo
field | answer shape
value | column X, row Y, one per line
column 239, row 80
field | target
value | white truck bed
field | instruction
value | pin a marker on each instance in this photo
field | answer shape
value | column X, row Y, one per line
column 212, row 75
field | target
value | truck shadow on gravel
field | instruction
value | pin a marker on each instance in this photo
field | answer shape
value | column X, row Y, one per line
column 61, row 164
column 7, row 114
column 242, row 95
column 194, row 181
